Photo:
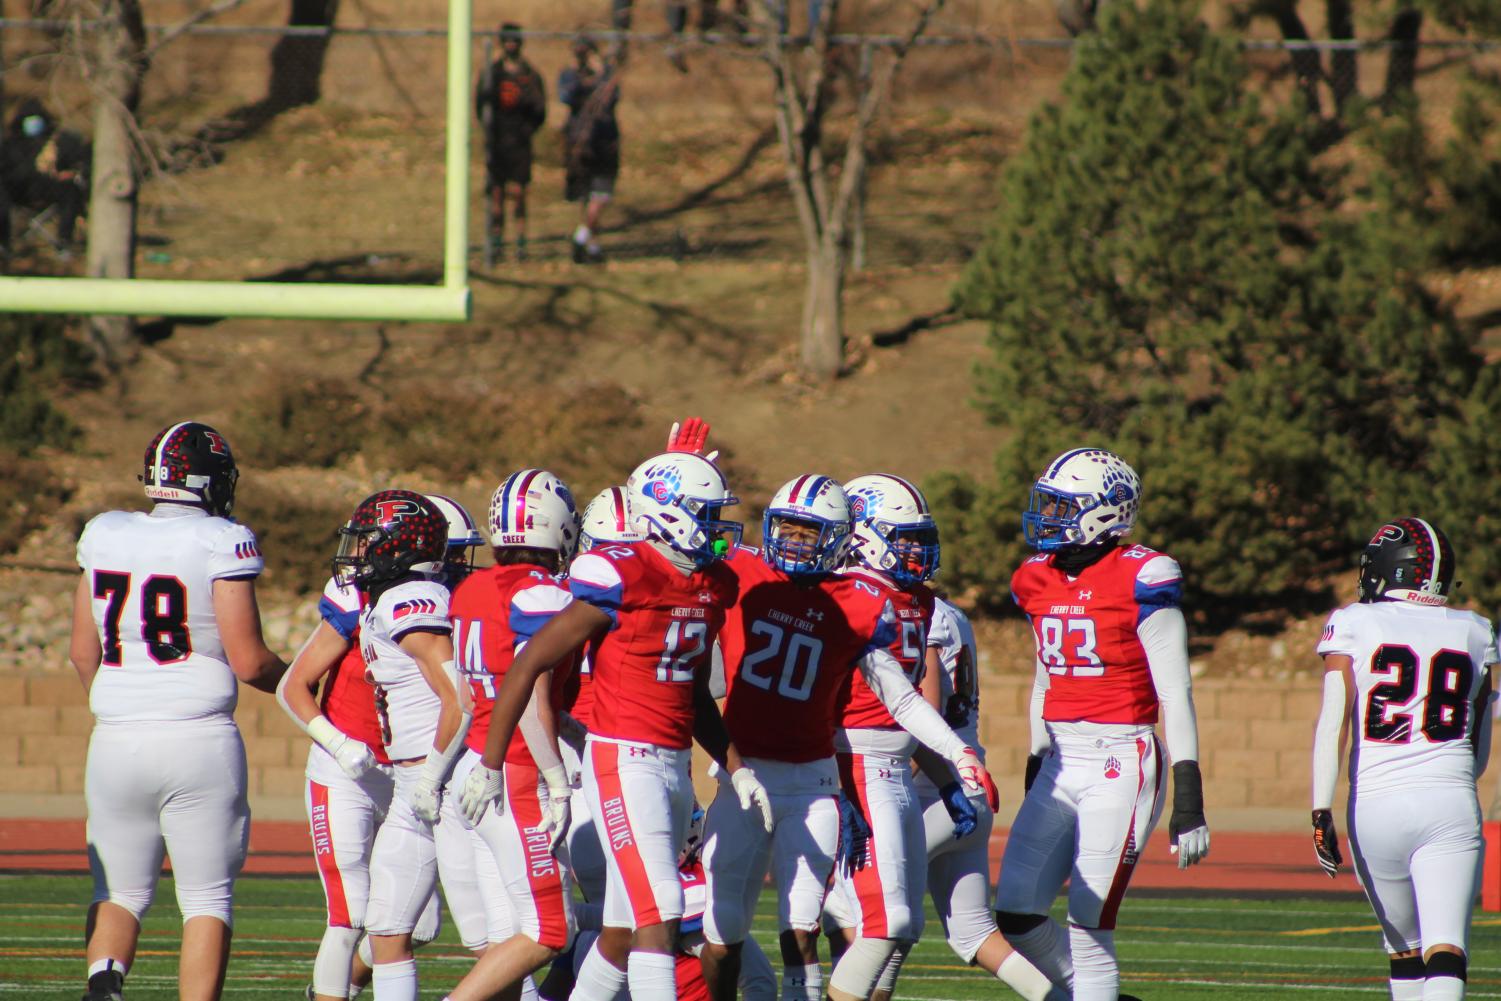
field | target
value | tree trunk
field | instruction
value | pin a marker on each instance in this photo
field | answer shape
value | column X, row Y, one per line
column 118, row 69
column 297, row 60
column 1343, row 72
column 1306, row 64
column 1402, row 67
column 823, row 311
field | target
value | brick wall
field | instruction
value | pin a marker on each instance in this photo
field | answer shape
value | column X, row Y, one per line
column 1254, row 736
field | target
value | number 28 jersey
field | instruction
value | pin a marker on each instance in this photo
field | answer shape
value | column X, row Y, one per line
column 1417, row 669
column 1085, row 631
column 152, row 579
column 663, row 624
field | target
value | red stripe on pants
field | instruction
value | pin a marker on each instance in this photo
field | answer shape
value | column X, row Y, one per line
column 544, row 876
column 323, row 853
column 1130, row 849
column 618, row 838
column 866, row 880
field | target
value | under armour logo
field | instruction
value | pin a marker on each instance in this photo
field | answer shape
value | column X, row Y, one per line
column 1085, row 595
column 636, row 752
column 815, row 615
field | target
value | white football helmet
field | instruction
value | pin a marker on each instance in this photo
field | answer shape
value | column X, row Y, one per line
column 894, row 531
column 533, row 509
column 676, row 498
column 463, row 536
column 811, row 500
column 1085, row 495
column 607, row 519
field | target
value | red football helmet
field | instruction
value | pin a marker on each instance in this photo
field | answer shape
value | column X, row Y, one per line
column 392, row 533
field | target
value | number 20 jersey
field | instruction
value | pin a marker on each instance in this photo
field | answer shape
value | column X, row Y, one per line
column 1417, row 670
column 152, row 578
column 1085, row 631
column 663, row 623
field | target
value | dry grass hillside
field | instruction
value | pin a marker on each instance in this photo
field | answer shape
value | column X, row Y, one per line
column 577, row 369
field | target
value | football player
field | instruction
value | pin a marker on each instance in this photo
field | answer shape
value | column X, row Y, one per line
column 1410, row 678
column 655, row 608
column 958, row 853
column 894, row 549
column 165, row 626
column 533, row 527
column 791, row 644
column 1112, row 654
column 349, row 774
column 393, row 552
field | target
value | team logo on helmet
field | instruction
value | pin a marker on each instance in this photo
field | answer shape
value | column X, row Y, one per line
column 390, row 510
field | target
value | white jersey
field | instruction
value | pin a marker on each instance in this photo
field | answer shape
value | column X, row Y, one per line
column 1417, row 670
column 152, row 578
column 959, row 684
column 407, row 704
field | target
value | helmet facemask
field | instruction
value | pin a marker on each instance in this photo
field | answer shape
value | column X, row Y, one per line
column 800, row 545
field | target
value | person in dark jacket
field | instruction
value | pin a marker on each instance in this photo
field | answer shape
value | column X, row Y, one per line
column 591, row 141
column 42, row 166
column 511, row 102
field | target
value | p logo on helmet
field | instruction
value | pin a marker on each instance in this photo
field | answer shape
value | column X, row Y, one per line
column 1408, row 559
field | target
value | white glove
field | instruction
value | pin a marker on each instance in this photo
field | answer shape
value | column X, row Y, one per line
column 425, row 800
column 558, row 811
column 752, row 793
column 353, row 757
column 1192, row 846
column 481, row 788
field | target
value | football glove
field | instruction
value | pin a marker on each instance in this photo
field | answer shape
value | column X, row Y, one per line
column 1188, row 831
column 976, row 779
column 854, row 837
column 690, row 436
column 961, row 810
column 481, row 788
column 352, row 756
column 1326, row 842
column 556, row 815
column 426, row 800
column 753, row 794
column 1034, row 765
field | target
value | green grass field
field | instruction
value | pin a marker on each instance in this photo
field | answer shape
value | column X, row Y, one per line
column 1171, row 947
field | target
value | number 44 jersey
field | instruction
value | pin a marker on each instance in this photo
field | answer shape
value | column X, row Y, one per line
column 1085, row 629
column 1417, row 670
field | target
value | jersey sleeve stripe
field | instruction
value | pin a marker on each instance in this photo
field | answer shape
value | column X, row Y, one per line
column 341, row 620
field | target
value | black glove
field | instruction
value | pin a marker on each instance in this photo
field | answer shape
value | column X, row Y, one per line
column 1034, row 765
column 1188, row 831
column 1326, row 842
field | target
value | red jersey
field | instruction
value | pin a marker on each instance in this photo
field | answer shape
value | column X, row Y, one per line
column 789, row 650
column 663, row 624
column 913, row 611
column 348, row 698
column 493, row 612
column 1085, row 630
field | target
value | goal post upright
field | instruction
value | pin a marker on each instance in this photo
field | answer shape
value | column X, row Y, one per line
column 448, row 302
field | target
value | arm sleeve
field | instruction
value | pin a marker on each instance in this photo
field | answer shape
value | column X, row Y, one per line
column 440, row 760
column 718, row 687
column 235, row 554
column 544, row 751
column 1326, row 739
column 907, row 706
column 1164, row 636
column 1038, row 728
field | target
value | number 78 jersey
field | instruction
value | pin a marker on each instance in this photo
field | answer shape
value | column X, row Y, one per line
column 1085, row 629
column 1417, row 670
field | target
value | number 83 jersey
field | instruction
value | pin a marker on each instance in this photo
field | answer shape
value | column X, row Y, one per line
column 1417, row 670
column 1085, row 629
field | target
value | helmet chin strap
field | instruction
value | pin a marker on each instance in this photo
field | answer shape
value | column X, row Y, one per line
column 1074, row 560
column 677, row 558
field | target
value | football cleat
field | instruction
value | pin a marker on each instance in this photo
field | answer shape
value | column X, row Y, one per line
column 533, row 509
column 190, row 463
column 894, row 531
column 676, row 498
column 1409, row 559
column 607, row 519
column 806, row 528
column 1086, row 495
column 392, row 533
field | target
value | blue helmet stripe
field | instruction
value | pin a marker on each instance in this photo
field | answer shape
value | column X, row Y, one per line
column 505, row 503
column 813, row 490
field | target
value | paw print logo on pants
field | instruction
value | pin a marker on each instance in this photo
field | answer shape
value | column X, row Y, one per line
column 1112, row 767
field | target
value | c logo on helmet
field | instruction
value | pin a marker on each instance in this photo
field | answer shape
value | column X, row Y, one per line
column 857, row 507
column 659, row 491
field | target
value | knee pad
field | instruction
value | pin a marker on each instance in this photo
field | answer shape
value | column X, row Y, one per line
column 1017, row 924
column 1409, row 968
column 860, row 967
column 429, row 922
column 331, row 968
column 215, row 900
column 1447, row 964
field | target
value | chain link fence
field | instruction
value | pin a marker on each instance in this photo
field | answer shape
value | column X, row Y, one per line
column 316, row 153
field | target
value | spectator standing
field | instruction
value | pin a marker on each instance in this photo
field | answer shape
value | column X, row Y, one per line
column 511, row 103
column 44, row 166
column 591, row 141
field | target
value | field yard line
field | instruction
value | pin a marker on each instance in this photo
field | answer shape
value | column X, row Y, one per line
column 1242, row 984
column 1303, row 932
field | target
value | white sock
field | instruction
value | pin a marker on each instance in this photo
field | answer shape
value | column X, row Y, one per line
column 1027, row 980
column 1443, row 989
column 528, row 988
column 802, row 983
column 1047, row 949
column 395, row 981
column 1097, row 976
column 653, row 976
column 101, row 965
column 1406, row 990
column 598, row 979
column 582, row 235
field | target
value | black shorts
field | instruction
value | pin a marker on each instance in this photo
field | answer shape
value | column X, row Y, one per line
column 510, row 162
column 591, row 176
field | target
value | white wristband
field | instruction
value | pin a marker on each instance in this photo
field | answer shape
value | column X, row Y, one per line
column 325, row 733
column 557, row 780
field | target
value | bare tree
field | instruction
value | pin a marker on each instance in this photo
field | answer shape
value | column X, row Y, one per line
column 827, row 184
